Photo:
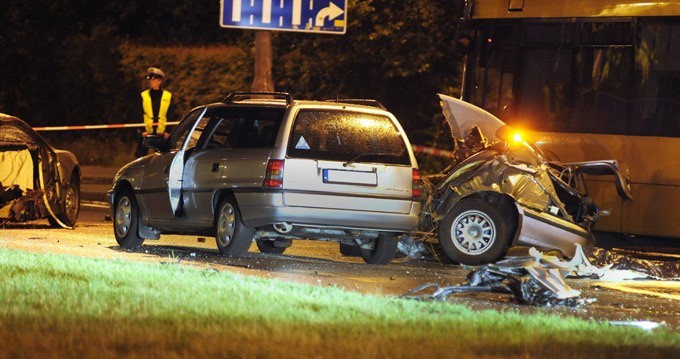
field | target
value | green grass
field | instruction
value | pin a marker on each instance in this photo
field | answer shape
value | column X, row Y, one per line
column 69, row 306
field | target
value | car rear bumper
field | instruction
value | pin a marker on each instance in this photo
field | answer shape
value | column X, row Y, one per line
column 260, row 209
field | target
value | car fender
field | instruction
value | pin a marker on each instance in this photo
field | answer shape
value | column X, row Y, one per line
column 68, row 167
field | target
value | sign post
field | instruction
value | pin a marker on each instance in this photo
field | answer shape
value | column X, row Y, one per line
column 262, row 81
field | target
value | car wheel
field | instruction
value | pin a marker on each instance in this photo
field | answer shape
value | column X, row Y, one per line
column 126, row 219
column 475, row 232
column 267, row 246
column 232, row 236
column 384, row 249
column 70, row 208
column 350, row 250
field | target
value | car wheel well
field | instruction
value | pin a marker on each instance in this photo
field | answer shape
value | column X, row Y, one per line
column 220, row 196
column 75, row 177
column 505, row 203
column 121, row 186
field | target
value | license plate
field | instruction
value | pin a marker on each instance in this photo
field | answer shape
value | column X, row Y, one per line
column 350, row 177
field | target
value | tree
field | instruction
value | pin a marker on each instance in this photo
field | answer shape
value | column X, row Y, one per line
column 399, row 52
column 62, row 63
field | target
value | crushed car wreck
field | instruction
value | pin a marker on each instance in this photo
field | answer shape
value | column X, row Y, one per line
column 501, row 191
column 36, row 180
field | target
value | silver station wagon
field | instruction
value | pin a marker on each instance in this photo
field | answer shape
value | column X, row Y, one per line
column 266, row 167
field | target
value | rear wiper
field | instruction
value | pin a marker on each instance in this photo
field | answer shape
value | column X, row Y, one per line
column 355, row 158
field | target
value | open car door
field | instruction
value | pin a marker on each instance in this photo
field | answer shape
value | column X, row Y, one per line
column 569, row 172
column 176, row 169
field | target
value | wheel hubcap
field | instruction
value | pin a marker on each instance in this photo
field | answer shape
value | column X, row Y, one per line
column 473, row 232
column 123, row 217
column 226, row 225
column 71, row 203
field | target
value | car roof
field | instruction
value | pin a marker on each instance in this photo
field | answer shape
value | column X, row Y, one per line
column 12, row 120
column 15, row 130
column 284, row 99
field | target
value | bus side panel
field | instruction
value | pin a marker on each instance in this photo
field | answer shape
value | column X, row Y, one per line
column 654, row 176
column 654, row 211
column 504, row 9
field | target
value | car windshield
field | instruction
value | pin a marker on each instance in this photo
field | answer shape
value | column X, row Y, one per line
column 347, row 136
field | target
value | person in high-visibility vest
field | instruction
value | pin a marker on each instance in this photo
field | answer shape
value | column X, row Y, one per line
column 155, row 105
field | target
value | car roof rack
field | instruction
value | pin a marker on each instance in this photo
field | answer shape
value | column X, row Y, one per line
column 263, row 95
column 360, row 101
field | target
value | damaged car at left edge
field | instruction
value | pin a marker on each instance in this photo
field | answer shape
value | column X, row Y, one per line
column 502, row 191
column 36, row 180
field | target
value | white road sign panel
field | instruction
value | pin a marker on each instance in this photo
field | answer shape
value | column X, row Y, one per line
column 316, row 16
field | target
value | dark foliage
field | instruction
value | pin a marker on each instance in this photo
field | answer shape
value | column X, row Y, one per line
column 61, row 60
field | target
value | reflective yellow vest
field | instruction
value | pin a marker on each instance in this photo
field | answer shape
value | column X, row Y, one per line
column 162, row 111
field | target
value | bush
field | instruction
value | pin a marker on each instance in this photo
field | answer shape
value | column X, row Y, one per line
column 194, row 75
column 98, row 148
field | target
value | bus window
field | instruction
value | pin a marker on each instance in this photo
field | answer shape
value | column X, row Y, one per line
column 656, row 111
column 495, row 73
column 615, row 77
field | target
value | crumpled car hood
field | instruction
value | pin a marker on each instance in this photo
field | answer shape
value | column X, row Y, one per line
column 463, row 116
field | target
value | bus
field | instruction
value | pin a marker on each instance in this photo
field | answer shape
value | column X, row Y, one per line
column 591, row 79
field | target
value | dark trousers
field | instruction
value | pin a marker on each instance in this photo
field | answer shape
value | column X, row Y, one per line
column 141, row 150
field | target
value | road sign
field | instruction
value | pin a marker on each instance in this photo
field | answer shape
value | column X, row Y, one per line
column 316, row 16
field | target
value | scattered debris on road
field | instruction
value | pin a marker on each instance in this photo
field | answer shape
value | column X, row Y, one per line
column 528, row 280
column 598, row 263
column 539, row 279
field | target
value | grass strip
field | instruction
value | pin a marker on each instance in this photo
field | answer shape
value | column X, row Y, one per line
column 60, row 305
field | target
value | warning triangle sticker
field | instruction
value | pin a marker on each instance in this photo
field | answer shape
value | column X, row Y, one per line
column 302, row 144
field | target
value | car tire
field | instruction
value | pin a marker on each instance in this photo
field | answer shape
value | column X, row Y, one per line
column 70, row 207
column 233, row 238
column 475, row 232
column 384, row 249
column 126, row 219
column 267, row 246
column 350, row 250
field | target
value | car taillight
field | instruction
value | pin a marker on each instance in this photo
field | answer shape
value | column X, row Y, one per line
column 417, row 185
column 273, row 178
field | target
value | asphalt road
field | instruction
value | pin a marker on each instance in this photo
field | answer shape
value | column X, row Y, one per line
column 320, row 263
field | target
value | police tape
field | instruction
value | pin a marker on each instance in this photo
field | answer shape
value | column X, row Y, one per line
column 432, row 151
column 97, row 127
column 417, row 148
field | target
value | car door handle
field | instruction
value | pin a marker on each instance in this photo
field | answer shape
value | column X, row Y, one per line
column 215, row 167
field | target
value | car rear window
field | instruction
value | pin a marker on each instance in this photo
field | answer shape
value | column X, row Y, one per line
column 347, row 136
column 247, row 127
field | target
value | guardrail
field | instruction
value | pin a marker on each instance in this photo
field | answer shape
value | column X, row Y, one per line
column 417, row 148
